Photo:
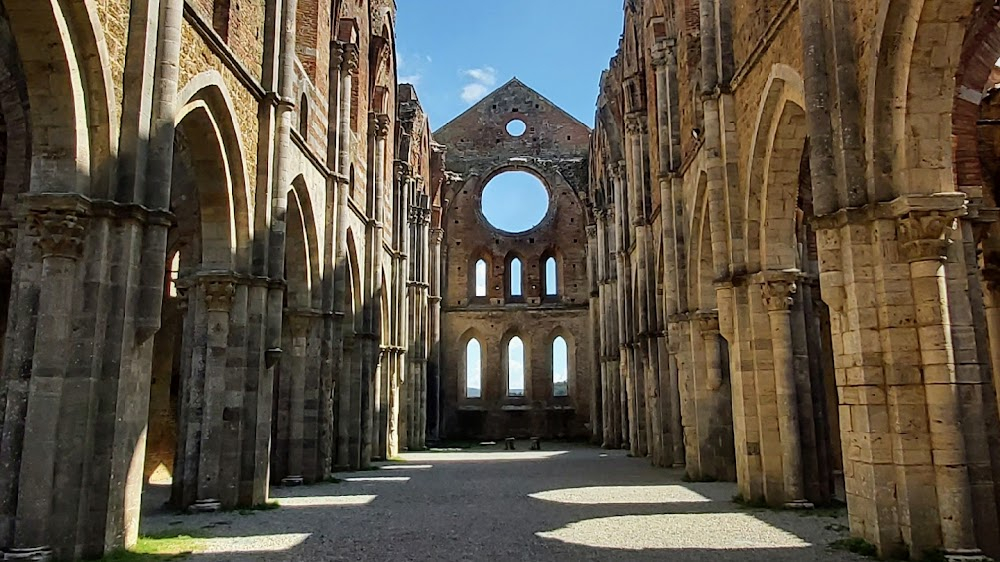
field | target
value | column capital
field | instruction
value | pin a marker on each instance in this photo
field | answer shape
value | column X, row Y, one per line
column 662, row 53
column 592, row 231
column 926, row 235
column 779, row 288
column 60, row 232
column 708, row 322
column 637, row 122
column 218, row 292
column 379, row 122
column 349, row 57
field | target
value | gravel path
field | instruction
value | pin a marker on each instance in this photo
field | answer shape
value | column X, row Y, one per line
column 573, row 503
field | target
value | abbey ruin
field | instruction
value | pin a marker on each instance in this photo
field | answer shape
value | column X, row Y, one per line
column 235, row 257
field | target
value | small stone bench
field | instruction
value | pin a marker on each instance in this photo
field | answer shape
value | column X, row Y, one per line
column 536, row 443
column 508, row 444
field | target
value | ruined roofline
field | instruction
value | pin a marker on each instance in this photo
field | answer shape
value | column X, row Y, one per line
column 511, row 82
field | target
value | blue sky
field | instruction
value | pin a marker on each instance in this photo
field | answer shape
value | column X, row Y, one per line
column 457, row 51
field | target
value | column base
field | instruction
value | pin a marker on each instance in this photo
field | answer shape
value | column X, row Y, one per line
column 966, row 555
column 679, row 464
column 205, row 506
column 37, row 554
column 799, row 504
column 292, row 481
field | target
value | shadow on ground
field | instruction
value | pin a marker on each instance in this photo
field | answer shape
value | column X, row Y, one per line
column 574, row 503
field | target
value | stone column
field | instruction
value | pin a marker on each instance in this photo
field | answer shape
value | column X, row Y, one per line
column 925, row 236
column 434, row 325
column 293, row 369
column 347, row 373
column 779, row 290
column 60, row 235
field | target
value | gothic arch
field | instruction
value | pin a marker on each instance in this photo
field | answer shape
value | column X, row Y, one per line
column 207, row 98
column 303, row 222
column 910, row 96
column 64, row 60
column 773, row 171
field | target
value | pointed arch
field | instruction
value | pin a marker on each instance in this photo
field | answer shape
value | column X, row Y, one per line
column 207, row 95
column 515, row 365
column 775, row 161
column 912, row 85
column 472, row 365
column 64, row 58
column 514, row 276
column 303, row 240
column 551, row 269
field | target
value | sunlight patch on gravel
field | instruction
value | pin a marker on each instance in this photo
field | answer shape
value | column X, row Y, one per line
column 256, row 543
column 703, row 531
column 598, row 495
column 326, row 501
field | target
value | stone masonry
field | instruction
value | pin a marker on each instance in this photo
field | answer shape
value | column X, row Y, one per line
column 233, row 255
column 216, row 258
column 794, row 203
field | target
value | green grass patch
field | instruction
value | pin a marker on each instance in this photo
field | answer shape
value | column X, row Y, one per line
column 857, row 545
column 169, row 545
column 334, row 480
column 267, row 506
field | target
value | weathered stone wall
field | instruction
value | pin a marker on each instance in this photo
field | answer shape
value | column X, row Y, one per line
column 805, row 286
column 553, row 148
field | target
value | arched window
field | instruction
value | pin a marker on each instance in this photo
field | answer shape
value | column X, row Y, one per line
column 473, row 369
column 551, row 278
column 480, row 288
column 560, row 367
column 514, row 271
column 304, row 117
column 515, row 367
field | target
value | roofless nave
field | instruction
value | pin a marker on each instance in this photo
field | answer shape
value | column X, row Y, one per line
column 234, row 257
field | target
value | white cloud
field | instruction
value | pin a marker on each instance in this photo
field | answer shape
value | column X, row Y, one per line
column 474, row 92
column 481, row 81
column 413, row 79
column 486, row 76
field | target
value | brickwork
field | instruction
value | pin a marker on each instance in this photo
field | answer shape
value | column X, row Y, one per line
column 553, row 148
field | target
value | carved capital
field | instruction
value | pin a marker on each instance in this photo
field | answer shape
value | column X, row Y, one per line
column 60, row 232
column 636, row 123
column 592, row 231
column 619, row 170
column 437, row 235
column 219, row 294
column 926, row 235
column 779, row 294
column 379, row 123
column 349, row 58
column 708, row 322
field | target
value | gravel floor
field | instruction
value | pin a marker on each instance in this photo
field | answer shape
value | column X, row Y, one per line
column 573, row 503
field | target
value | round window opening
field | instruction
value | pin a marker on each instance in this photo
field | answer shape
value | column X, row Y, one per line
column 516, row 128
column 515, row 202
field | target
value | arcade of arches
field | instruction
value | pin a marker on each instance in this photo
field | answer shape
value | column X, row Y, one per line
column 234, row 256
